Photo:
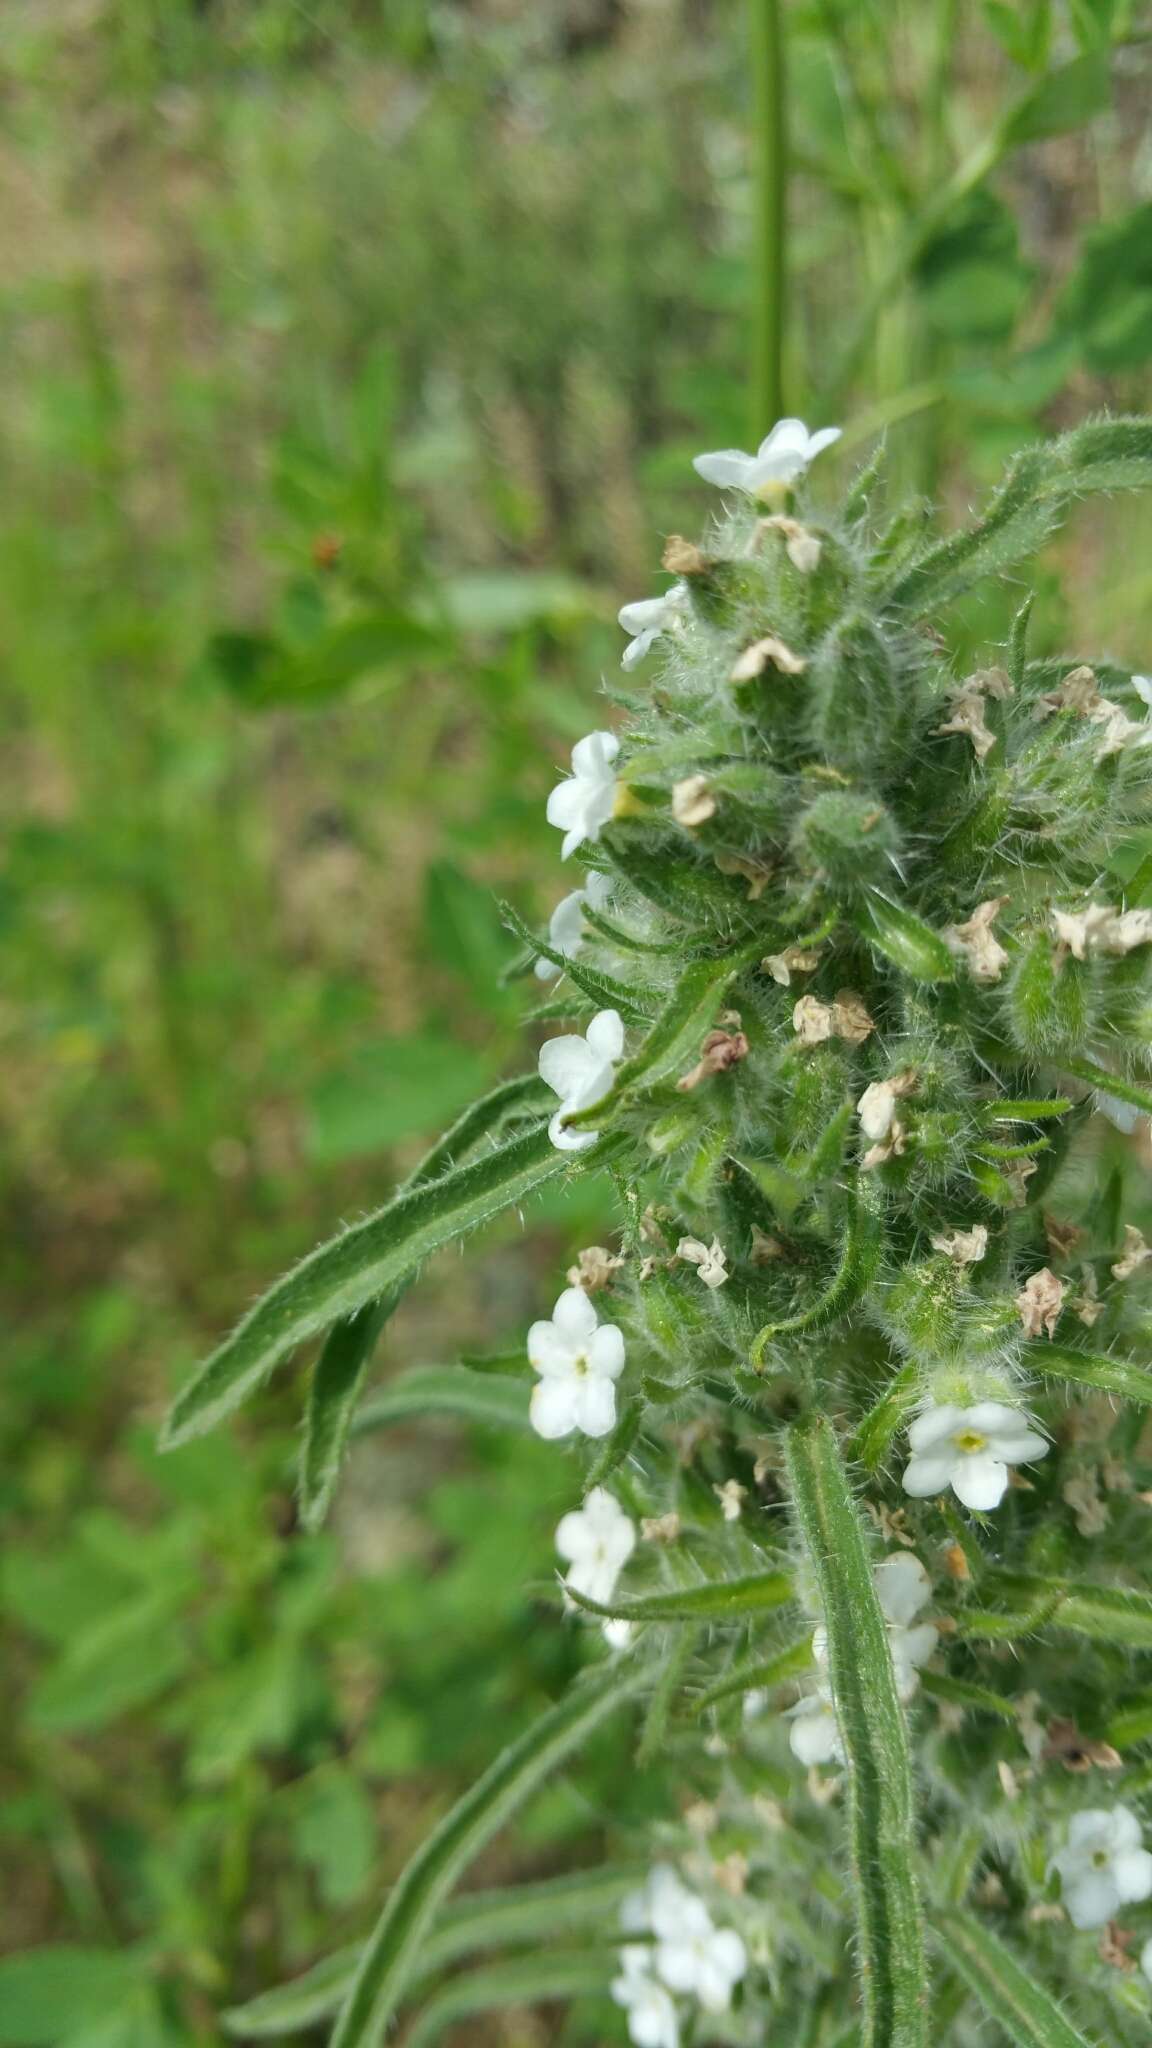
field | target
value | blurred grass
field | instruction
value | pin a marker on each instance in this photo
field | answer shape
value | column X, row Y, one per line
column 354, row 356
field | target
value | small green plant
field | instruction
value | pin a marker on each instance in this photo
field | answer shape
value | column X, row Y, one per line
column 855, row 1412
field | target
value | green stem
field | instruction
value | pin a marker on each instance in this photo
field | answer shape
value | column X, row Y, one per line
column 770, row 147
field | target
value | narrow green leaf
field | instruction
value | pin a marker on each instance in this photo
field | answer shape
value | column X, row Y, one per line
column 357, row 1267
column 1033, row 1111
column 446, row 1390
column 391, row 1953
column 881, row 1812
column 602, row 989
column 873, row 1435
column 758, row 1674
column 1027, row 2012
column 530, row 1981
column 477, row 1921
column 905, row 939
column 859, row 1261
column 1108, row 1614
column 1110, row 1084
column 335, row 1387
column 520, row 1099
column 1042, row 483
column 979, row 1699
column 673, row 1044
column 1092, row 1369
column 716, row 1600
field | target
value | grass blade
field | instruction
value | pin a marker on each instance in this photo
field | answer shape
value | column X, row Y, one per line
column 391, row 1953
column 881, row 1813
column 355, row 1268
column 1028, row 2014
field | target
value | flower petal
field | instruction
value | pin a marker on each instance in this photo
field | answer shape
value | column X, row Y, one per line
column 928, row 1475
column 595, row 1406
column 564, row 1065
column 575, row 1318
column 902, row 1587
column 1019, row 1447
column 935, row 1424
column 565, row 806
column 1132, row 1870
column 573, row 1538
column 728, row 468
column 605, row 1035
column 1092, row 1899
column 980, row 1482
column 606, row 1352
column 566, row 1140
column 647, row 613
column 592, row 757
column 821, row 439
column 552, row 1409
column 548, row 1352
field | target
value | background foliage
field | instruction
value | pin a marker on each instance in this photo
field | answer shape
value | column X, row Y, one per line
column 354, row 353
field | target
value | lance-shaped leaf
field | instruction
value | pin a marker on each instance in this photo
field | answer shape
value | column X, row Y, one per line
column 1041, row 485
column 528, row 1913
column 978, row 1699
column 1110, row 1084
column 1009, row 1994
column 392, row 1951
column 905, row 939
column 718, row 1600
column 451, row 1390
column 873, row 1435
column 357, row 1267
column 859, row 1260
column 602, row 989
column 530, row 1981
column 1092, row 1369
column 758, row 1674
column 673, row 1044
column 1108, row 1614
column 881, row 1813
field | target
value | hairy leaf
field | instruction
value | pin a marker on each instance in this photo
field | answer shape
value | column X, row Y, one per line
column 357, row 1267
column 716, row 1600
column 601, row 988
column 1092, row 1369
column 1008, row 1992
column 905, row 939
column 881, row 1812
column 758, row 1674
column 446, row 1390
column 336, row 1381
column 392, row 1951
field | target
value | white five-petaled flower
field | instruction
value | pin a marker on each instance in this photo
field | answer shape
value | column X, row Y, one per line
column 579, row 1360
column 691, row 1954
column 566, row 924
column 596, row 1542
column 814, row 1737
column 902, row 1588
column 652, row 2021
column 582, row 804
column 970, row 1450
column 645, row 620
column 782, row 456
column 1102, row 1865
column 579, row 1070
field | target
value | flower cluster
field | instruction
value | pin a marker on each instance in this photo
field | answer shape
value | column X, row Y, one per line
column 685, row 1956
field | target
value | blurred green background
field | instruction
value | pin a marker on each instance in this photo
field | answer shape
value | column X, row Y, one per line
column 355, row 355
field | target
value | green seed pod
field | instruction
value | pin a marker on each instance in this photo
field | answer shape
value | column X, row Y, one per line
column 858, row 710
column 851, row 838
column 1049, row 1002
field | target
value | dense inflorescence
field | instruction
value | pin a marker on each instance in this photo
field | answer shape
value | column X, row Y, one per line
column 858, row 988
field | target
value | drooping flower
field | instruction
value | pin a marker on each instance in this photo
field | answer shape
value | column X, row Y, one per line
column 652, row 2021
column 645, row 620
column 970, row 1450
column 1136, row 1253
column 1103, row 1865
column 783, row 455
column 1099, row 929
column 879, row 1122
column 975, row 941
column 596, row 1542
column 1039, row 1302
column 693, row 802
column 581, row 805
column 566, row 924
column 579, row 1360
column 964, row 1247
column 708, row 1259
column 579, row 1070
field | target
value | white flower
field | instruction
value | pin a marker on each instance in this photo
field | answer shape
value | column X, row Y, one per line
column 1124, row 1115
column 566, row 924
column 782, row 456
column 691, row 1953
column 581, row 806
column 596, row 1542
column 970, row 1450
column 579, row 1360
column 902, row 1589
column 652, row 2021
column 1103, row 1865
column 647, row 619
column 814, row 1737
column 579, row 1070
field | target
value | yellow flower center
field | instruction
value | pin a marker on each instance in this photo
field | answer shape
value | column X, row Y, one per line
column 970, row 1441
